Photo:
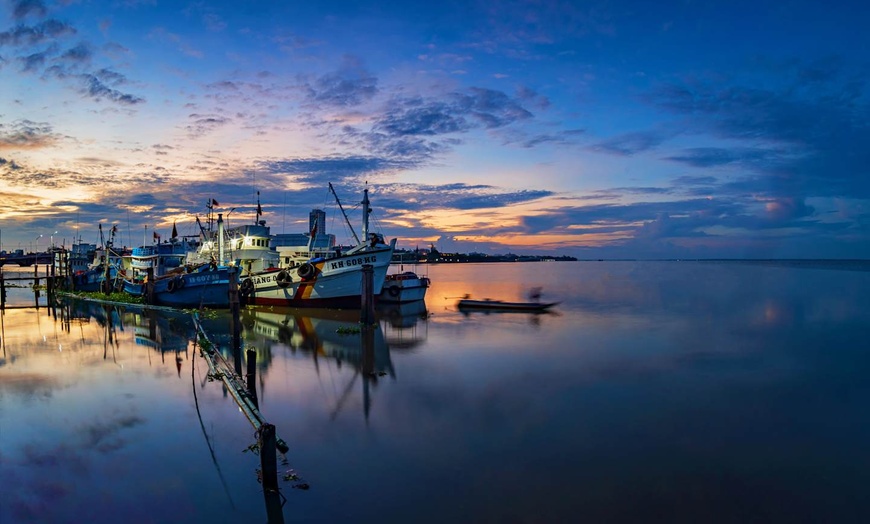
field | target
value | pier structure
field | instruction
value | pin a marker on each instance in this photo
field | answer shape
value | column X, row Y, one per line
column 238, row 389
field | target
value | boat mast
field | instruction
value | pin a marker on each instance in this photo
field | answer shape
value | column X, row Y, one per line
column 345, row 214
column 366, row 211
column 220, row 228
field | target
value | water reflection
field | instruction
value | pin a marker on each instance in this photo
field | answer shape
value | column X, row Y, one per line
column 405, row 326
column 319, row 334
column 697, row 392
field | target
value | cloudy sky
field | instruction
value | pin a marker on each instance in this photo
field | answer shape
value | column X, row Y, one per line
column 596, row 129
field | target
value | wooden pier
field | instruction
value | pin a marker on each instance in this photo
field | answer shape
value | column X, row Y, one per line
column 267, row 438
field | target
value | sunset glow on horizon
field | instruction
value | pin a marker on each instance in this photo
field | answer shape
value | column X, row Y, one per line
column 593, row 129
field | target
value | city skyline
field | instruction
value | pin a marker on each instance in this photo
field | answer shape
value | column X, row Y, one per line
column 591, row 129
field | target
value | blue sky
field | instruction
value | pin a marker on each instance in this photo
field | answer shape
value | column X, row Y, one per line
column 595, row 129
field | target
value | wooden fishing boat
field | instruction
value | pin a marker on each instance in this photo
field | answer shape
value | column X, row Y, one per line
column 467, row 304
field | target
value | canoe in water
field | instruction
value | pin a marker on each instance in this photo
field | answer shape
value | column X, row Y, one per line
column 487, row 304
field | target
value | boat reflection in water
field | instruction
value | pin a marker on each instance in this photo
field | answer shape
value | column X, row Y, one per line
column 335, row 335
column 163, row 332
column 405, row 325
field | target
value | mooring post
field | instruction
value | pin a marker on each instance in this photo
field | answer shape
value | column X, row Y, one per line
column 36, row 285
column 367, row 313
column 235, row 321
column 235, row 309
column 49, row 284
column 268, row 457
column 2, row 290
column 251, row 376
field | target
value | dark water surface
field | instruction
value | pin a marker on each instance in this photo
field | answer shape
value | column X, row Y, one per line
column 656, row 391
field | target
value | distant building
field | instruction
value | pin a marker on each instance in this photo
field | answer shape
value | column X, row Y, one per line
column 301, row 239
column 317, row 217
column 322, row 240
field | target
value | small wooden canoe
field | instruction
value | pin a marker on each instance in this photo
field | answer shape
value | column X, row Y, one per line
column 499, row 305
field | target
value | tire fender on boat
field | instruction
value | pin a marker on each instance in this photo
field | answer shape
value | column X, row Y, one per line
column 306, row 271
column 175, row 284
column 283, row 278
column 247, row 287
column 393, row 290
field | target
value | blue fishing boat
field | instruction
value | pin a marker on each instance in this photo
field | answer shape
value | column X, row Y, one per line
column 175, row 280
column 204, row 286
column 93, row 268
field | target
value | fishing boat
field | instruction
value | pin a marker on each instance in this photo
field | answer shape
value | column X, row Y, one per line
column 206, row 285
column 403, row 287
column 155, row 261
column 330, row 277
column 173, row 281
column 247, row 247
column 81, row 256
column 467, row 304
column 95, row 268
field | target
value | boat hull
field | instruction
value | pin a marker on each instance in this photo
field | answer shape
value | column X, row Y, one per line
column 335, row 282
column 92, row 280
column 207, row 288
column 403, row 287
column 402, row 295
column 203, row 289
column 497, row 305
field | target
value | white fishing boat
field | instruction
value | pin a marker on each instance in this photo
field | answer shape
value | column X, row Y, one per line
column 403, row 287
column 247, row 247
column 306, row 276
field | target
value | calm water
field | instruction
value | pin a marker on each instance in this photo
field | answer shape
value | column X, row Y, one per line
column 656, row 391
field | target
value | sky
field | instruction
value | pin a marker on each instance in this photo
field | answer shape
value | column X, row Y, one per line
column 611, row 129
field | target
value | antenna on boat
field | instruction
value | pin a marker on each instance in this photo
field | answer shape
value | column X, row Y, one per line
column 366, row 210
column 259, row 210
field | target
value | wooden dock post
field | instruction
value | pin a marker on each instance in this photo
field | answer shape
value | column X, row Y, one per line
column 235, row 320
column 2, row 290
column 268, row 457
column 36, row 285
column 235, row 309
column 367, row 313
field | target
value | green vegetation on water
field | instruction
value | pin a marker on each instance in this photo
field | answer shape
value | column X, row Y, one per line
column 115, row 296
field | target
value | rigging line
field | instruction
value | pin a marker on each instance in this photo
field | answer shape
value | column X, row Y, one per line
column 202, row 426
